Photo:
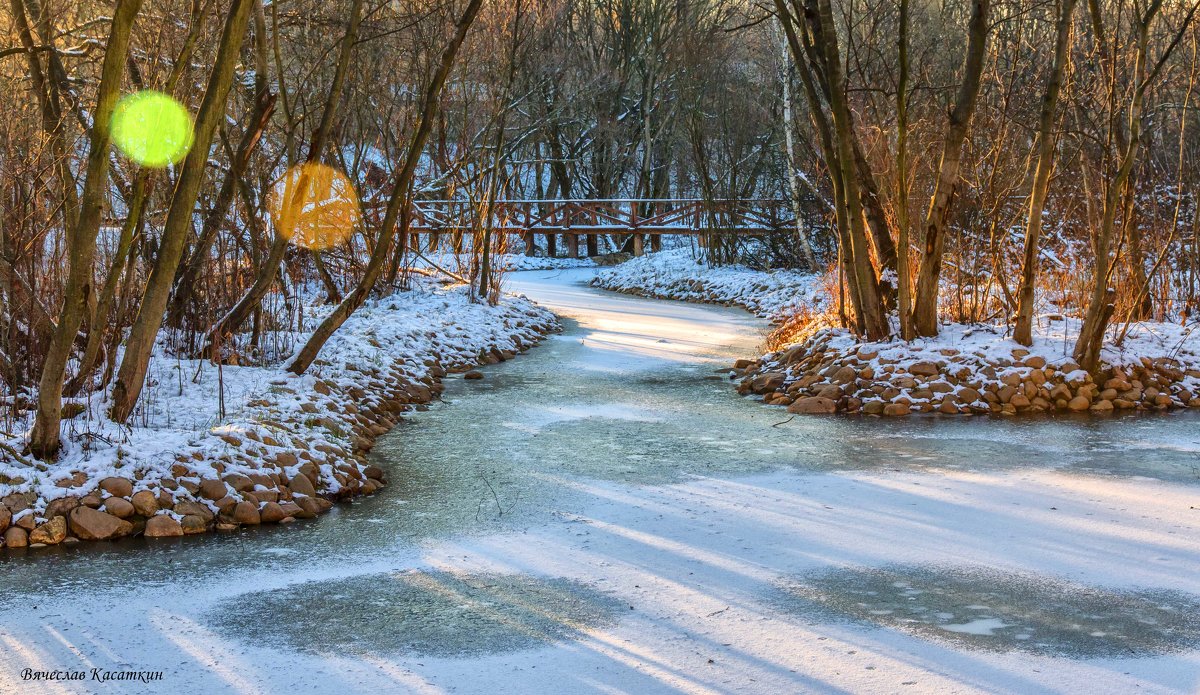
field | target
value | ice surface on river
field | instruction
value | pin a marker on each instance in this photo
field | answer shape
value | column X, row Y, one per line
column 983, row 608
column 631, row 522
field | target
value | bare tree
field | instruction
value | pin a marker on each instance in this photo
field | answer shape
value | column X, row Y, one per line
column 44, row 441
column 937, row 220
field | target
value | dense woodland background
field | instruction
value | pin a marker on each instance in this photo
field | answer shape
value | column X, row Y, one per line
column 975, row 160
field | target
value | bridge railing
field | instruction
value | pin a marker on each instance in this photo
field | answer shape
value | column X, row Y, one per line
column 605, row 216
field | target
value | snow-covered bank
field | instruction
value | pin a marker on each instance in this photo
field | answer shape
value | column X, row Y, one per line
column 968, row 369
column 240, row 445
column 978, row 369
column 676, row 274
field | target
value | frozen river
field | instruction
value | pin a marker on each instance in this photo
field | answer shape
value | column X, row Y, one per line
column 604, row 514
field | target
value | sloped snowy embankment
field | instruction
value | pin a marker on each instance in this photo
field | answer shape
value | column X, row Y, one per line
column 286, row 445
column 676, row 274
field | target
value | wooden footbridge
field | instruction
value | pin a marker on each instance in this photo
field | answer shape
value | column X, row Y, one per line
column 639, row 218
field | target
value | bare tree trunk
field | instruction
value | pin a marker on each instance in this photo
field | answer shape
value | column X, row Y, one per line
column 806, row 60
column 398, row 200
column 880, row 234
column 132, row 374
column 1100, row 305
column 500, row 163
column 44, row 440
column 1023, row 331
column 790, row 145
column 871, row 310
column 139, row 195
column 256, row 123
column 135, row 209
column 245, row 306
column 937, row 221
column 1136, row 258
column 903, row 279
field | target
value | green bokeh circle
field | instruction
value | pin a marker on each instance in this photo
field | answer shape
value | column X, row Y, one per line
column 152, row 129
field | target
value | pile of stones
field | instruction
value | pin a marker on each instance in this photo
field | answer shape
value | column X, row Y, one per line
column 824, row 375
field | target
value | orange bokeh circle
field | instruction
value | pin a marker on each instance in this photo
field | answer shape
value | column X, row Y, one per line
column 314, row 206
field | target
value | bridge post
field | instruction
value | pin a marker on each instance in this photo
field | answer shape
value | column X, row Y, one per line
column 571, row 239
column 639, row 242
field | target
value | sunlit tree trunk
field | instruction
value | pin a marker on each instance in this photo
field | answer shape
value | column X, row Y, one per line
column 903, row 279
column 81, row 248
column 1100, row 304
column 132, row 374
column 937, row 220
column 871, row 310
column 1023, row 330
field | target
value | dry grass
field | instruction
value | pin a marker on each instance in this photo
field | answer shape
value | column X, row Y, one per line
column 802, row 323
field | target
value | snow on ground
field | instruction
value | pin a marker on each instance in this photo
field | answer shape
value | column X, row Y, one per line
column 459, row 263
column 1054, row 340
column 180, row 413
column 677, row 274
column 545, row 562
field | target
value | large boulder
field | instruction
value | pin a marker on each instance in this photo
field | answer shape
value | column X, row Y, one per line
column 193, row 508
column 120, row 508
column 845, row 375
column 61, row 506
column 301, row 485
column 272, row 513
column 814, row 405
column 309, row 507
column 145, row 503
column 91, row 525
column 19, row 501
column 52, row 532
column 163, row 526
column 193, row 524
column 213, row 489
column 246, row 513
column 117, row 487
column 767, row 382
column 239, row 482
column 16, row 537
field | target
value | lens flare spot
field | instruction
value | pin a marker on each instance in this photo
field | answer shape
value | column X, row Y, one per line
column 152, row 129
column 314, row 206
